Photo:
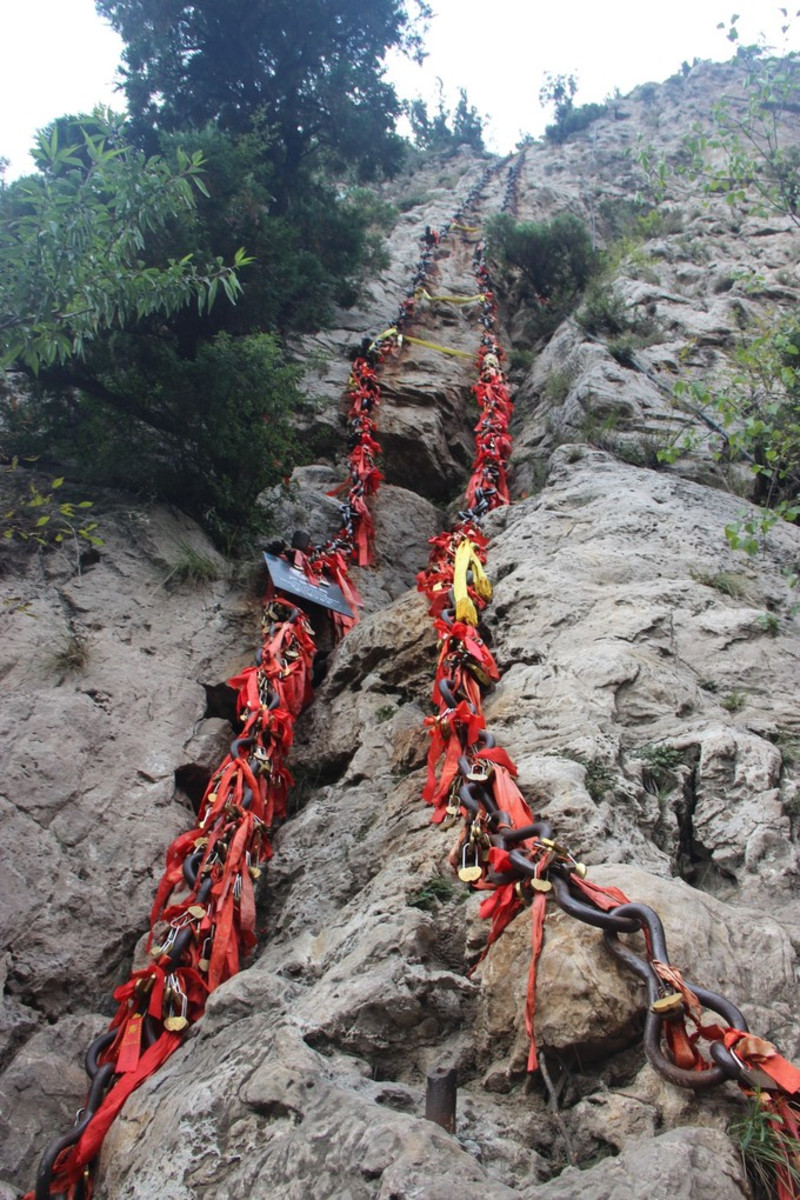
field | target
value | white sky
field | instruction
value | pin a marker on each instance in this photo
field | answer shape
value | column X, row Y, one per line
column 57, row 56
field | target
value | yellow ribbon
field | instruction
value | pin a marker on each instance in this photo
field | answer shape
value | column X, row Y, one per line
column 466, row 228
column 467, row 560
column 392, row 332
column 441, row 349
column 421, row 294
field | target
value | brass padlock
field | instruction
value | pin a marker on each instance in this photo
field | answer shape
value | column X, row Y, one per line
column 470, row 873
column 541, row 885
column 478, row 774
column 667, row 1006
column 175, row 1024
column 451, row 816
column 477, row 671
column 197, row 911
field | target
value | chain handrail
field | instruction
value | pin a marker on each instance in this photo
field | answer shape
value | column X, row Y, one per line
column 502, row 849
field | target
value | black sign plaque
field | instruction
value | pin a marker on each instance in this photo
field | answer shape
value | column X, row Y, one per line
column 289, row 579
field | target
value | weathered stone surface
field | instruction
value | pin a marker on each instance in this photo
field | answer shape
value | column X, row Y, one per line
column 295, row 1124
column 45, row 1081
column 691, row 1164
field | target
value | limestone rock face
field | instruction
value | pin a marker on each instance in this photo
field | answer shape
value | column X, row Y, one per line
column 648, row 698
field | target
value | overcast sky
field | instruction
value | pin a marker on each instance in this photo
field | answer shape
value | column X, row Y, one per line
column 57, row 56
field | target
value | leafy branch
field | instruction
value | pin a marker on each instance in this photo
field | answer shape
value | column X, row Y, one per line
column 744, row 155
column 72, row 244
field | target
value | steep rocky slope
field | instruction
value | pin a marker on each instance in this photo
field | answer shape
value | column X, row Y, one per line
column 651, row 712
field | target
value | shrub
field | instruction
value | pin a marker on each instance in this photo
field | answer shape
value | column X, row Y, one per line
column 559, row 90
column 604, row 310
column 555, row 261
column 756, row 413
column 436, row 890
column 38, row 517
column 70, row 655
column 573, row 121
column 191, row 566
column 207, row 433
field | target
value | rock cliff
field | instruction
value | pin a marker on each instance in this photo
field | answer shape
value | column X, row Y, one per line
column 648, row 697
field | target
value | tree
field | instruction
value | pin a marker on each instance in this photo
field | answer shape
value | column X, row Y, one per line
column 555, row 258
column 72, row 240
column 445, row 130
column 119, row 379
column 207, row 433
column 467, row 123
column 312, row 69
column 559, row 90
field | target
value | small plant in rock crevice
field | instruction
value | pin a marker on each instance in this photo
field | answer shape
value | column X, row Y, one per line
column 558, row 384
column 659, row 767
column 192, row 566
column 70, row 654
column 38, row 516
column 600, row 777
column 437, row 890
column 769, row 1151
column 728, row 583
column 734, row 701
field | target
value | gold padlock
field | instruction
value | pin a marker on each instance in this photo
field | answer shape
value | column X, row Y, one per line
column 470, row 873
column 541, row 885
column 451, row 816
column 478, row 775
column 175, row 1024
column 197, row 911
column 668, row 1005
column 477, row 671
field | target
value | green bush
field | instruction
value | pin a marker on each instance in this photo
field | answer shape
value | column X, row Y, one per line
column 573, row 120
column 554, row 260
column 28, row 514
column 207, row 434
column 437, row 890
column 604, row 310
column 559, row 90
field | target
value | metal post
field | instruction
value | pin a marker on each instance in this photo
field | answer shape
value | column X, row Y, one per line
column 440, row 1097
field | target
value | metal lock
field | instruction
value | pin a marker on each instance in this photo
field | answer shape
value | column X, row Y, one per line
column 477, row 672
column 452, row 813
column 540, row 885
column 480, row 772
column 470, row 872
column 175, row 1024
column 667, row 1006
